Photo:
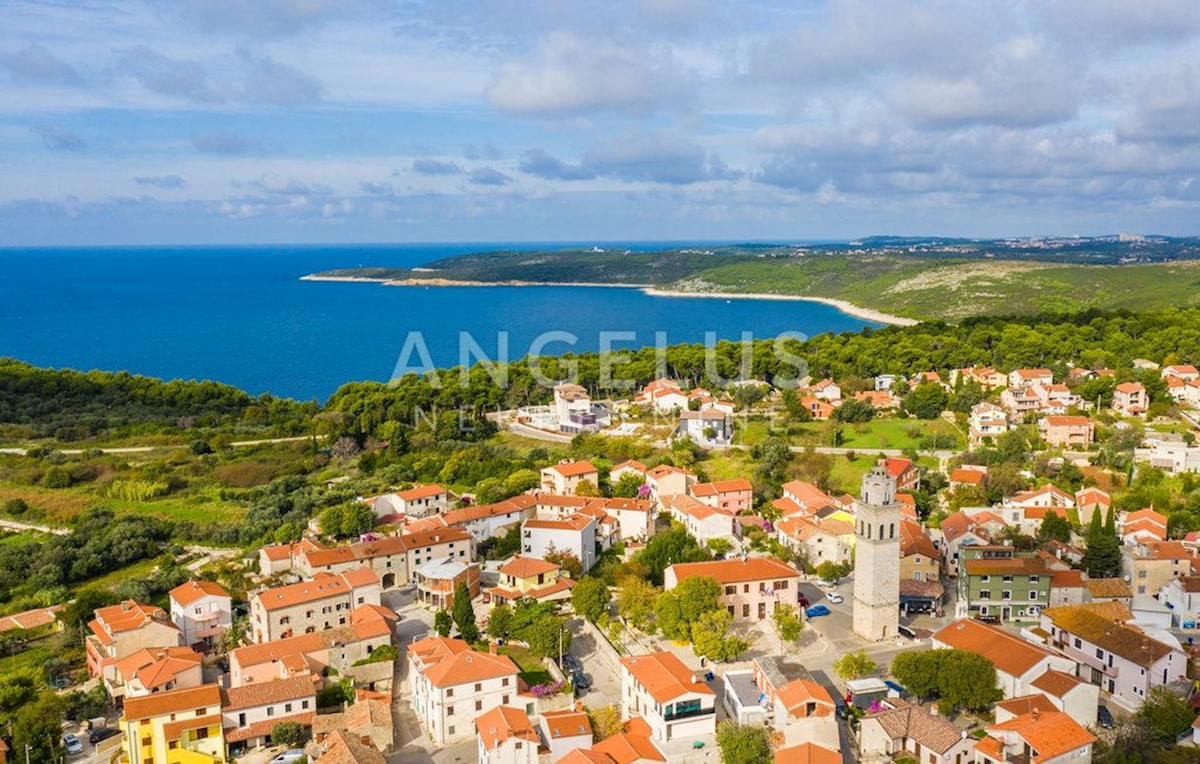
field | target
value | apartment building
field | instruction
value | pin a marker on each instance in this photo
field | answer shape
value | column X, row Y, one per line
column 731, row 496
column 1124, row 660
column 251, row 711
column 919, row 557
column 1150, row 565
column 663, row 692
column 202, row 610
column 452, row 685
column 575, row 534
column 1130, row 399
column 309, row 606
column 986, row 422
column 751, row 588
column 566, row 477
column 120, row 630
column 1067, row 431
column 998, row 581
column 175, row 726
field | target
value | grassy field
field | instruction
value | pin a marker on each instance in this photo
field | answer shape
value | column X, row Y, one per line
column 846, row 475
column 903, row 433
column 532, row 670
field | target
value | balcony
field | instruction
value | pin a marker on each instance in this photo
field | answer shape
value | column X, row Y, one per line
column 678, row 715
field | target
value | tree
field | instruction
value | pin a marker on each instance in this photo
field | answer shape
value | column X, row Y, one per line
column 926, row 401
column 719, row 546
column 464, row 613
column 1054, row 526
column 628, row 485
column 1166, row 715
column 854, row 665
column 829, row 571
column 591, row 599
column 966, row 680
column 635, row 601
column 918, row 672
column 743, row 744
column 500, row 622
column 239, row 627
column 547, row 636
column 587, row 488
column 711, row 638
column 672, row 546
column 787, row 622
column 37, row 730
column 442, row 623
column 1102, row 558
column 677, row 609
column 87, row 601
column 289, row 734
column 566, row 560
column 854, row 411
column 606, row 722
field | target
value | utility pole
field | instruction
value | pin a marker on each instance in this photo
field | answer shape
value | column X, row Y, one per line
column 560, row 655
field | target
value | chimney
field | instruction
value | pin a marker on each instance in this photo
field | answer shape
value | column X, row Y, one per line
column 1036, row 713
column 492, row 648
column 933, row 709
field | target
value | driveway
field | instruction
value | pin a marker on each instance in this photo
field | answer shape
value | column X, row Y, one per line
column 599, row 667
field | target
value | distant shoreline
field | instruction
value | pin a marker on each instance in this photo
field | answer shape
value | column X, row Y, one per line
column 849, row 308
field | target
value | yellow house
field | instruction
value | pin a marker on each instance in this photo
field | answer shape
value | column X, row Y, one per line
column 523, row 577
column 174, row 727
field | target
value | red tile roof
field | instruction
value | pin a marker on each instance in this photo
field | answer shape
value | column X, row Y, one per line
column 503, row 723
column 1007, row 652
column 736, row 570
column 664, row 676
column 187, row 593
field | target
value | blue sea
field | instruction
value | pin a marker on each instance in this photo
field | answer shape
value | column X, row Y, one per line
column 241, row 315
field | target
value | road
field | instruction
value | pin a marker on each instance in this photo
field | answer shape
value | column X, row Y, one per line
column 15, row 526
column 147, row 449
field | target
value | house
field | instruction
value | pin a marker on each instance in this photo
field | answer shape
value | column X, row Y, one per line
column 120, row 630
column 1066, row 431
column 1067, row 587
column 703, row 522
column 437, row 580
column 1070, row 694
column 1055, row 399
column 733, row 496
column 1019, row 401
column 1184, row 371
column 999, row 581
column 751, row 588
column 708, row 427
column 565, row 730
column 1170, row 452
column 419, row 501
column 505, row 735
column 314, row 653
column 1182, row 596
column 522, row 577
column 339, row 747
column 156, row 670
column 636, row 518
column 904, row 471
column 1049, row 737
column 1142, row 525
column 807, row 498
column 961, row 530
column 819, row 409
column 573, row 409
column 984, row 376
column 1151, row 564
column 1130, row 399
column 1088, row 500
column 322, row 603
column 807, row 753
column 202, row 610
column 632, row 745
column 919, row 558
column 880, row 400
column 825, row 390
column 367, row 721
column 903, row 729
column 666, row 480
column 281, row 558
column 1108, row 590
column 1124, row 660
column 1018, row 661
column 30, row 620
column 662, row 396
column 393, row 559
column 1027, row 377
column 1048, row 495
column 968, row 475
column 251, row 711
column 817, row 540
column 487, row 520
column 452, row 685
column 177, row 725
column 986, row 422
column 666, row 695
column 566, row 477
column 575, row 534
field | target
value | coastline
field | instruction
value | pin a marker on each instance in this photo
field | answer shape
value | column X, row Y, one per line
column 849, row 308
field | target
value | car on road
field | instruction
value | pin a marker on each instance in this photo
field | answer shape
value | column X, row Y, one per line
column 1104, row 717
column 580, row 680
column 290, row 756
column 826, row 584
column 906, row 632
column 816, row 611
column 571, row 663
column 73, row 744
column 102, row 733
column 834, row 597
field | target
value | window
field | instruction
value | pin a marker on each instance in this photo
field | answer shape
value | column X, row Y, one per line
column 146, row 741
column 504, row 683
column 202, row 733
column 450, row 692
column 1099, row 653
column 1008, row 579
column 985, row 578
column 1006, row 594
column 199, row 610
column 1033, row 595
column 731, row 590
column 304, row 704
column 1034, row 579
column 1078, row 643
column 270, row 710
column 504, row 700
column 450, row 730
column 449, row 710
column 746, row 610
column 287, row 708
column 986, row 594
column 478, row 687
column 479, row 705
column 745, row 588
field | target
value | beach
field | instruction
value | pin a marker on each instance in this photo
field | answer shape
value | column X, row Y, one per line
column 849, row 308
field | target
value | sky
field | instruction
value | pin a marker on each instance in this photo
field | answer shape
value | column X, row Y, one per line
column 316, row 121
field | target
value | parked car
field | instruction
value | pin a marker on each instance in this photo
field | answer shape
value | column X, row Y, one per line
column 906, row 632
column 804, row 603
column 580, row 680
column 816, row 611
column 1104, row 717
column 987, row 619
column 73, row 744
column 571, row 664
column 103, row 733
column 289, row 756
column 834, row 597
column 826, row 584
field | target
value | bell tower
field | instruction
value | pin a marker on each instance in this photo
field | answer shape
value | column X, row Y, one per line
column 877, row 558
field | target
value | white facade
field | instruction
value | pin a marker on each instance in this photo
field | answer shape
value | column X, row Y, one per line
column 877, row 558
column 448, row 712
column 205, row 619
column 576, row 534
column 682, row 715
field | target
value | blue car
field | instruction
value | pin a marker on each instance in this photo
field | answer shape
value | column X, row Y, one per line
column 816, row 611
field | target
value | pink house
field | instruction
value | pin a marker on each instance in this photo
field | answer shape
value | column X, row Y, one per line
column 732, row 495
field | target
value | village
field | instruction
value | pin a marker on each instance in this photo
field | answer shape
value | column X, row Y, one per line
column 822, row 626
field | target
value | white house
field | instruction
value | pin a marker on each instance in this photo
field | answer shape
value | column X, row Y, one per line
column 565, row 477
column 1182, row 595
column 452, row 685
column 575, row 534
column 202, row 610
column 707, row 427
column 250, row 712
column 420, row 501
column 1168, row 451
column 565, row 730
column 1054, row 736
column 505, row 735
column 986, row 420
column 664, row 692
column 702, row 521
column 487, row 520
column 1018, row 661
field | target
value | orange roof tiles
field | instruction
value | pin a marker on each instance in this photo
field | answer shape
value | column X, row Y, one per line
column 632, row 744
column 969, row 476
column 421, row 492
column 664, row 676
column 172, row 701
column 574, row 469
column 190, row 591
column 157, row 667
column 718, row 487
column 1007, row 652
column 914, row 540
column 1026, row 703
column 567, row 723
column 1056, row 683
column 801, row 691
column 503, row 723
column 263, row 693
column 1050, row 733
column 130, row 615
column 264, row 727
column 30, row 619
column 448, row 662
column 736, row 570
column 323, row 586
column 526, row 567
column 807, row 753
